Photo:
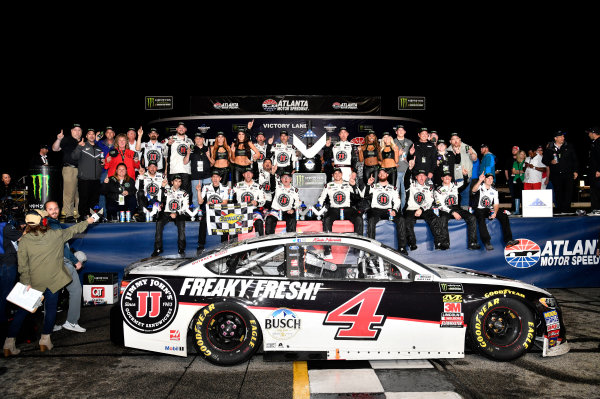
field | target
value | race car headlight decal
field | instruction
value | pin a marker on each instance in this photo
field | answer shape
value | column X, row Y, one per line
column 548, row 302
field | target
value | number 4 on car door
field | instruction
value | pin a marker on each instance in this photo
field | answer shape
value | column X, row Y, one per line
column 363, row 323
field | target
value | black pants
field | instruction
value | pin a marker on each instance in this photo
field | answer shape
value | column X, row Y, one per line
column 432, row 221
column 224, row 173
column 237, row 173
column 594, row 191
column 482, row 214
column 374, row 215
column 369, row 171
column 469, row 220
column 562, row 184
column 202, row 231
column 350, row 214
column 89, row 194
column 162, row 220
column 289, row 219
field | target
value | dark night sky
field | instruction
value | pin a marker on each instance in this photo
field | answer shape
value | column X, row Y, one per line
column 501, row 114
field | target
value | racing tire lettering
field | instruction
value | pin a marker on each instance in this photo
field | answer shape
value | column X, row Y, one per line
column 502, row 328
column 226, row 333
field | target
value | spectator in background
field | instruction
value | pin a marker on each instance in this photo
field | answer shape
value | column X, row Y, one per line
column 132, row 138
column 90, row 161
column 508, row 174
column 41, row 159
column 433, row 137
column 594, row 169
column 534, row 168
column 403, row 145
column 6, row 187
column 464, row 158
column 201, row 162
column 73, row 265
column 488, row 162
column 120, row 193
column 518, row 173
column 69, row 171
column 562, row 159
column 120, row 154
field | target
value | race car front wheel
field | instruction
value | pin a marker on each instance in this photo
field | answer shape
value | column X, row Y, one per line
column 502, row 328
column 226, row 333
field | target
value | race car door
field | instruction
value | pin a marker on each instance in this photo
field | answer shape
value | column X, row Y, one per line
column 372, row 307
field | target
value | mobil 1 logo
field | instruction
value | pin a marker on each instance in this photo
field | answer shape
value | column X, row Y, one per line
column 149, row 304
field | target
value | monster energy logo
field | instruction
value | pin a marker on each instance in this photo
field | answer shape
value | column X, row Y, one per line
column 305, row 180
column 159, row 102
column 451, row 287
column 412, row 103
column 39, row 181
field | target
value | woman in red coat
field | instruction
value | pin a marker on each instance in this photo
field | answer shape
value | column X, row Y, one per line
column 121, row 154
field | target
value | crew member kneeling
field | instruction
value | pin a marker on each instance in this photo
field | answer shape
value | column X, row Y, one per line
column 284, row 205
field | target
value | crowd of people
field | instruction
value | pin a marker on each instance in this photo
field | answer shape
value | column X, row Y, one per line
column 120, row 176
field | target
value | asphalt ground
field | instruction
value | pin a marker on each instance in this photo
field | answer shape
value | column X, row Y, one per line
column 88, row 365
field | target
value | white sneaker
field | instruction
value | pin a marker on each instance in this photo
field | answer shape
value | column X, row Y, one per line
column 73, row 327
column 57, row 327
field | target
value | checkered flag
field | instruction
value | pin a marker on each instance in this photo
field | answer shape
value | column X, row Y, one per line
column 229, row 219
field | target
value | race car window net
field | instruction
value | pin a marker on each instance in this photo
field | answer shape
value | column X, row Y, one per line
column 263, row 261
column 342, row 262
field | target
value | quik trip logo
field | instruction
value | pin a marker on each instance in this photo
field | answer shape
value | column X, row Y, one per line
column 149, row 304
column 554, row 253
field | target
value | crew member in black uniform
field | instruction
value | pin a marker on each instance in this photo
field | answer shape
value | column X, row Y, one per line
column 385, row 204
column 424, row 154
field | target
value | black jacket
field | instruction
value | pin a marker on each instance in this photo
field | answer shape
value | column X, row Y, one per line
column 566, row 156
column 113, row 188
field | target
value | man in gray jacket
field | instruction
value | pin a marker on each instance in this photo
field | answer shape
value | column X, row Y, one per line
column 464, row 155
column 403, row 145
column 90, row 160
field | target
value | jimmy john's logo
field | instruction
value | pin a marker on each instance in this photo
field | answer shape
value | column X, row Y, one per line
column 419, row 197
column 283, row 200
column 451, row 200
column 341, row 156
column 247, row 197
column 153, row 156
column 173, row 206
column 339, row 197
column 182, row 149
column 485, row 202
column 149, row 304
column 383, row 199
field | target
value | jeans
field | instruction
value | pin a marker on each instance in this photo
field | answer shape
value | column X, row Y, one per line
column 50, row 305
column 75, row 292
column 464, row 193
column 401, row 189
column 8, row 278
column 102, row 197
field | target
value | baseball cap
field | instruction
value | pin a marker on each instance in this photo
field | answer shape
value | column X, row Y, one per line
column 34, row 217
column 283, row 132
column 489, row 174
column 559, row 133
column 594, row 130
column 484, row 145
column 337, row 170
column 516, row 147
column 420, row 171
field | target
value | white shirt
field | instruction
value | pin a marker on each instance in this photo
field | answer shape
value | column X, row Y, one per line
column 487, row 197
column 532, row 175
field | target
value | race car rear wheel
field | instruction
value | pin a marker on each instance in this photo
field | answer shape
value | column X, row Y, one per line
column 226, row 333
column 502, row 328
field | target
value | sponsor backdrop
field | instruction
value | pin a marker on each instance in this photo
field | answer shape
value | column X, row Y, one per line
column 553, row 253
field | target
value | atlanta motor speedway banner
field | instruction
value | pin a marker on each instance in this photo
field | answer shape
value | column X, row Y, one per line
column 553, row 253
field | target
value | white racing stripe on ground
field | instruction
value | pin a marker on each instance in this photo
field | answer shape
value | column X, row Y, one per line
column 344, row 381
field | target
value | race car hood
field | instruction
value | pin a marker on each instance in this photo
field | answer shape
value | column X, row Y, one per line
column 461, row 273
column 157, row 264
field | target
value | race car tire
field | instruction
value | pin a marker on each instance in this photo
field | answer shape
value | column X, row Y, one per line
column 502, row 328
column 226, row 333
